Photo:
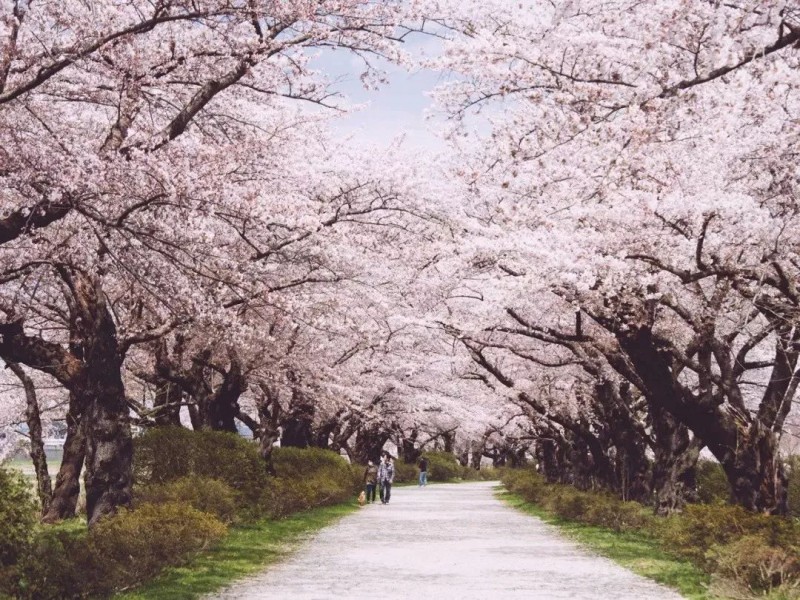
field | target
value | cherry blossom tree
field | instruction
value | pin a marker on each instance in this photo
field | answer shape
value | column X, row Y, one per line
column 131, row 118
column 609, row 174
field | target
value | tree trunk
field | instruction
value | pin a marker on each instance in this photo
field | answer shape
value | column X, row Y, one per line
column 463, row 455
column 476, row 450
column 43, row 486
column 746, row 449
column 369, row 443
column 298, row 427
column 674, row 463
column 757, row 476
column 223, row 406
column 449, row 441
column 109, row 447
column 167, row 404
column 408, row 449
column 546, row 452
column 322, row 435
column 67, row 489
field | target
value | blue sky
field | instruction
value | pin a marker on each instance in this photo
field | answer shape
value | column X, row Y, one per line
column 397, row 109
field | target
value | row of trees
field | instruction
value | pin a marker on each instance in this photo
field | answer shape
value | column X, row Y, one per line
column 595, row 276
column 181, row 234
column 638, row 300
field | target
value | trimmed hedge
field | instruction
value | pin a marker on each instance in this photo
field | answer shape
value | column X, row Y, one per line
column 165, row 454
column 405, row 472
column 201, row 493
column 306, row 479
column 443, row 466
column 741, row 550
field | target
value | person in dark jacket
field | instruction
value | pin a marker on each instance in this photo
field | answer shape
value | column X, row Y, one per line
column 423, row 471
column 370, row 480
column 386, row 478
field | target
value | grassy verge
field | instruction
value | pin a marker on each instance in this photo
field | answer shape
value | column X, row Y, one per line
column 245, row 550
column 635, row 551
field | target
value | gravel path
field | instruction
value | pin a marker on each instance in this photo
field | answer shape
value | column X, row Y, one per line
column 444, row 542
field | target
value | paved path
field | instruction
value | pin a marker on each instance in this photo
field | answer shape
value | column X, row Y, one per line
column 444, row 542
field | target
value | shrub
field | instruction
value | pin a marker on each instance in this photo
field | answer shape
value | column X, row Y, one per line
column 793, row 490
column 483, row 474
column 51, row 567
column 612, row 513
column 712, row 483
column 703, row 526
column 753, row 562
column 207, row 495
column 442, row 466
column 135, row 545
column 307, row 478
column 527, row 483
column 167, row 453
column 294, row 462
column 118, row 553
column 17, row 515
column 569, row 503
column 405, row 472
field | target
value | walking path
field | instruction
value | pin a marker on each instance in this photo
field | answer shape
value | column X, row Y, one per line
column 445, row 542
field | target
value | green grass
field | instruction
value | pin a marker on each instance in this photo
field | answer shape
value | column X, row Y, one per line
column 635, row 551
column 247, row 549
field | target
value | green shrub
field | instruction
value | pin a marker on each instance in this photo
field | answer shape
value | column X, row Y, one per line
column 754, row 563
column 405, row 472
column 134, row 545
column 207, row 495
column 294, row 462
column 527, row 483
column 793, row 490
column 442, row 466
column 703, row 526
column 612, row 513
column 483, row 474
column 118, row 553
column 712, row 483
column 167, row 453
column 307, row 478
column 52, row 567
column 17, row 515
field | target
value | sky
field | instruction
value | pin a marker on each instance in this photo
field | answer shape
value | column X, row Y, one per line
column 399, row 109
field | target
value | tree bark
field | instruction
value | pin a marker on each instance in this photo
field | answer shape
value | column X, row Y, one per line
column 67, row 488
column 109, row 447
column 757, row 476
column 223, row 405
column 369, row 443
column 675, row 458
column 43, row 485
column 269, row 416
column 167, row 404
column 746, row 449
column 298, row 427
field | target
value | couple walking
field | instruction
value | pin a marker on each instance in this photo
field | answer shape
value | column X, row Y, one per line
column 381, row 474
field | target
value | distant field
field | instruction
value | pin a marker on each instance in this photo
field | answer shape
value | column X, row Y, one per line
column 25, row 465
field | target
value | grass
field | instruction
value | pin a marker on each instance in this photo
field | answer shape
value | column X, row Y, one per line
column 635, row 551
column 246, row 549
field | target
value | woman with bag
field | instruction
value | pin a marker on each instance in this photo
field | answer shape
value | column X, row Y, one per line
column 370, row 481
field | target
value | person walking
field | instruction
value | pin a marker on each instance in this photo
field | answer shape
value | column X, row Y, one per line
column 370, row 481
column 386, row 478
column 423, row 471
